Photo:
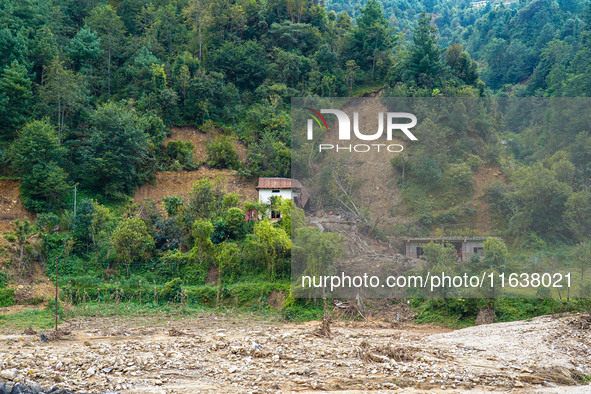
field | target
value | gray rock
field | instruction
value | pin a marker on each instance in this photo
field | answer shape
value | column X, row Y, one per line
column 21, row 389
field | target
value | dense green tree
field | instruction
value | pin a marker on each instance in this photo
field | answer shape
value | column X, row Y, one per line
column 81, row 223
column 132, row 243
column 244, row 64
column 315, row 254
column 44, row 49
column 495, row 254
column 205, row 201
column 371, row 39
column 101, row 226
column 37, row 155
column 234, row 218
column 221, row 153
column 179, row 154
column 540, row 203
column 62, row 94
column 274, row 246
column 84, row 49
column 269, row 157
column 105, row 20
column 208, row 97
column 293, row 37
column 119, row 153
column 15, row 99
column 291, row 68
column 461, row 65
column 422, row 64
column 578, row 214
column 441, row 259
column 228, row 259
column 198, row 14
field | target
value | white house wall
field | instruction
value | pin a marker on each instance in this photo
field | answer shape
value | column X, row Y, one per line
column 265, row 195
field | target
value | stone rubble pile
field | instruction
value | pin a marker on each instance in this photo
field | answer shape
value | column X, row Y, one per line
column 249, row 356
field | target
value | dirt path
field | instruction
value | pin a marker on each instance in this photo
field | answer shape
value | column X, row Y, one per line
column 224, row 354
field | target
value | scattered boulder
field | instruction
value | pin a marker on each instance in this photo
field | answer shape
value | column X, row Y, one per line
column 8, row 374
column 21, row 389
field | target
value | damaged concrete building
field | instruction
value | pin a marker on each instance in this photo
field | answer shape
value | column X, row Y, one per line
column 465, row 247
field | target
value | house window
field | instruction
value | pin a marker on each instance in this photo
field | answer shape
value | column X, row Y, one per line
column 275, row 191
column 479, row 251
column 275, row 215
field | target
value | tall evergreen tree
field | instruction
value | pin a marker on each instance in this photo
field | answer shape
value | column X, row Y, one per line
column 110, row 27
column 15, row 99
column 423, row 64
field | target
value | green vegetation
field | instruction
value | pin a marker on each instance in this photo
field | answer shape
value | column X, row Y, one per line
column 88, row 91
column 179, row 155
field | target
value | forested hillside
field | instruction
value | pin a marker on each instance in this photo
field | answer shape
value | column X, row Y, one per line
column 526, row 48
column 89, row 93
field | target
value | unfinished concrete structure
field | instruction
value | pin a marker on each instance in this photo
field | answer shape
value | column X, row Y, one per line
column 466, row 247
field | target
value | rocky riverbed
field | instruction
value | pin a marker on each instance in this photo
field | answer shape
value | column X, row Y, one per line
column 222, row 354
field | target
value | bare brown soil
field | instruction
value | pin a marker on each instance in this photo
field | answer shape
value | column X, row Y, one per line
column 485, row 175
column 200, row 140
column 11, row 207
column 380, row 193
column 180, row 183
column 210, row 353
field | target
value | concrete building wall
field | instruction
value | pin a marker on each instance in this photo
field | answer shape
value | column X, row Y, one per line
column 411, row 249
column 470, row 247
column 467, row 248
column 265, row 194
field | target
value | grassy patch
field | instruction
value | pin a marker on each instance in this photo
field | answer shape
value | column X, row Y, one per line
column 360, row 91
column 38, row 319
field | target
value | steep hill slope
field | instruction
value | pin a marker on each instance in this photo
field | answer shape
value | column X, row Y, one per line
column 169, row 183
column 11, row 207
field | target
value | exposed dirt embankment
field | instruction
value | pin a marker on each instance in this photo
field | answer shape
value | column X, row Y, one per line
column 221, row 354
column 11, row 207
column 200, row 140
column 484, row 177
column 179, row 183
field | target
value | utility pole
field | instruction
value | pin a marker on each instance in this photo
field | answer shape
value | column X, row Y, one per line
column 75, row 186
column 56, row 289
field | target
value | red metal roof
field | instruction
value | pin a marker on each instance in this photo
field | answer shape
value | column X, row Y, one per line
column 278, row 183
